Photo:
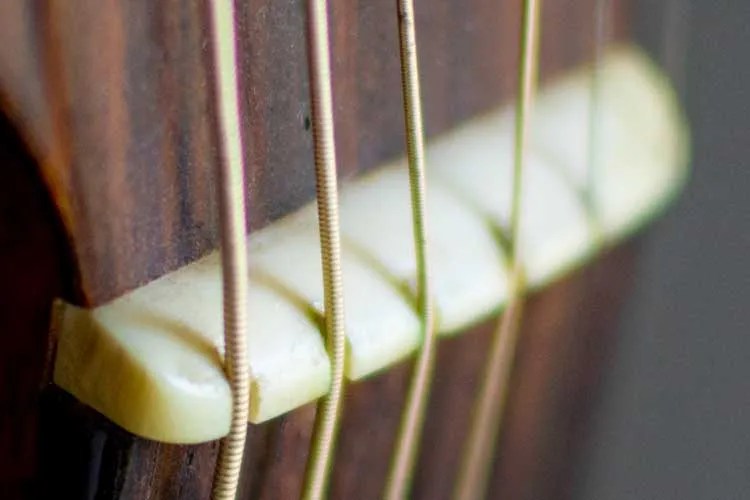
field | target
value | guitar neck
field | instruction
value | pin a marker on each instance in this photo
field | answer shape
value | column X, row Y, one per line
column 119, row 90
column 109, row 134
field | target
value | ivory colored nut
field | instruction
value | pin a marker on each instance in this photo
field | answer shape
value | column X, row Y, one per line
column 151, row 360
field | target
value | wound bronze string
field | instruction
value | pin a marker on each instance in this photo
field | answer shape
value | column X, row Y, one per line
column 412, row 419
column 329, row 407
column 478, row 453
column 233, row 247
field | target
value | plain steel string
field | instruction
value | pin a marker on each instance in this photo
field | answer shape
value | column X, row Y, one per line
column 600, row 33
column 329, row 407
column 487, row 417
column 412, row 419
column 233, row 248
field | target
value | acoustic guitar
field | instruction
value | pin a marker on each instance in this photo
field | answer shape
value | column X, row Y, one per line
column 115, row 137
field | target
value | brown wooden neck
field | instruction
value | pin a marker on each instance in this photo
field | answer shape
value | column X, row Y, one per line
column 107, row 145
column 121, row 122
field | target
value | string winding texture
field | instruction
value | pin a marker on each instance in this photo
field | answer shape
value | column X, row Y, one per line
column 233, row 248
column 487, row 417
column 329, row 407
column 412, row 420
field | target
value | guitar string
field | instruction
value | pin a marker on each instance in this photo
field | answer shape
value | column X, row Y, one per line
column 233, row 247
column 412, row 418
column 600, row 32
column 328, row 412
column 488, row 411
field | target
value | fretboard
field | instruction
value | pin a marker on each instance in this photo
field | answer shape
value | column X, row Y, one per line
column 151, row 360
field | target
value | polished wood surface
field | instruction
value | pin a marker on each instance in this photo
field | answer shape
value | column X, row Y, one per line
column 33, row 270
column 565, row 339
column 114, row 99
column 107, row 156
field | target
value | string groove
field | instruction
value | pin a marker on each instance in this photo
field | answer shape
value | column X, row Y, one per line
column 477, row 459
column 328, row 411
column 412, row 419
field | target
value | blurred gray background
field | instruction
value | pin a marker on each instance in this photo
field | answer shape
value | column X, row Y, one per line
column 673, row 419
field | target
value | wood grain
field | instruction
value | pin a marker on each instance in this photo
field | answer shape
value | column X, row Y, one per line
column 566, row 337
column 33, row 270
column 107, row 159
column 121, row 119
